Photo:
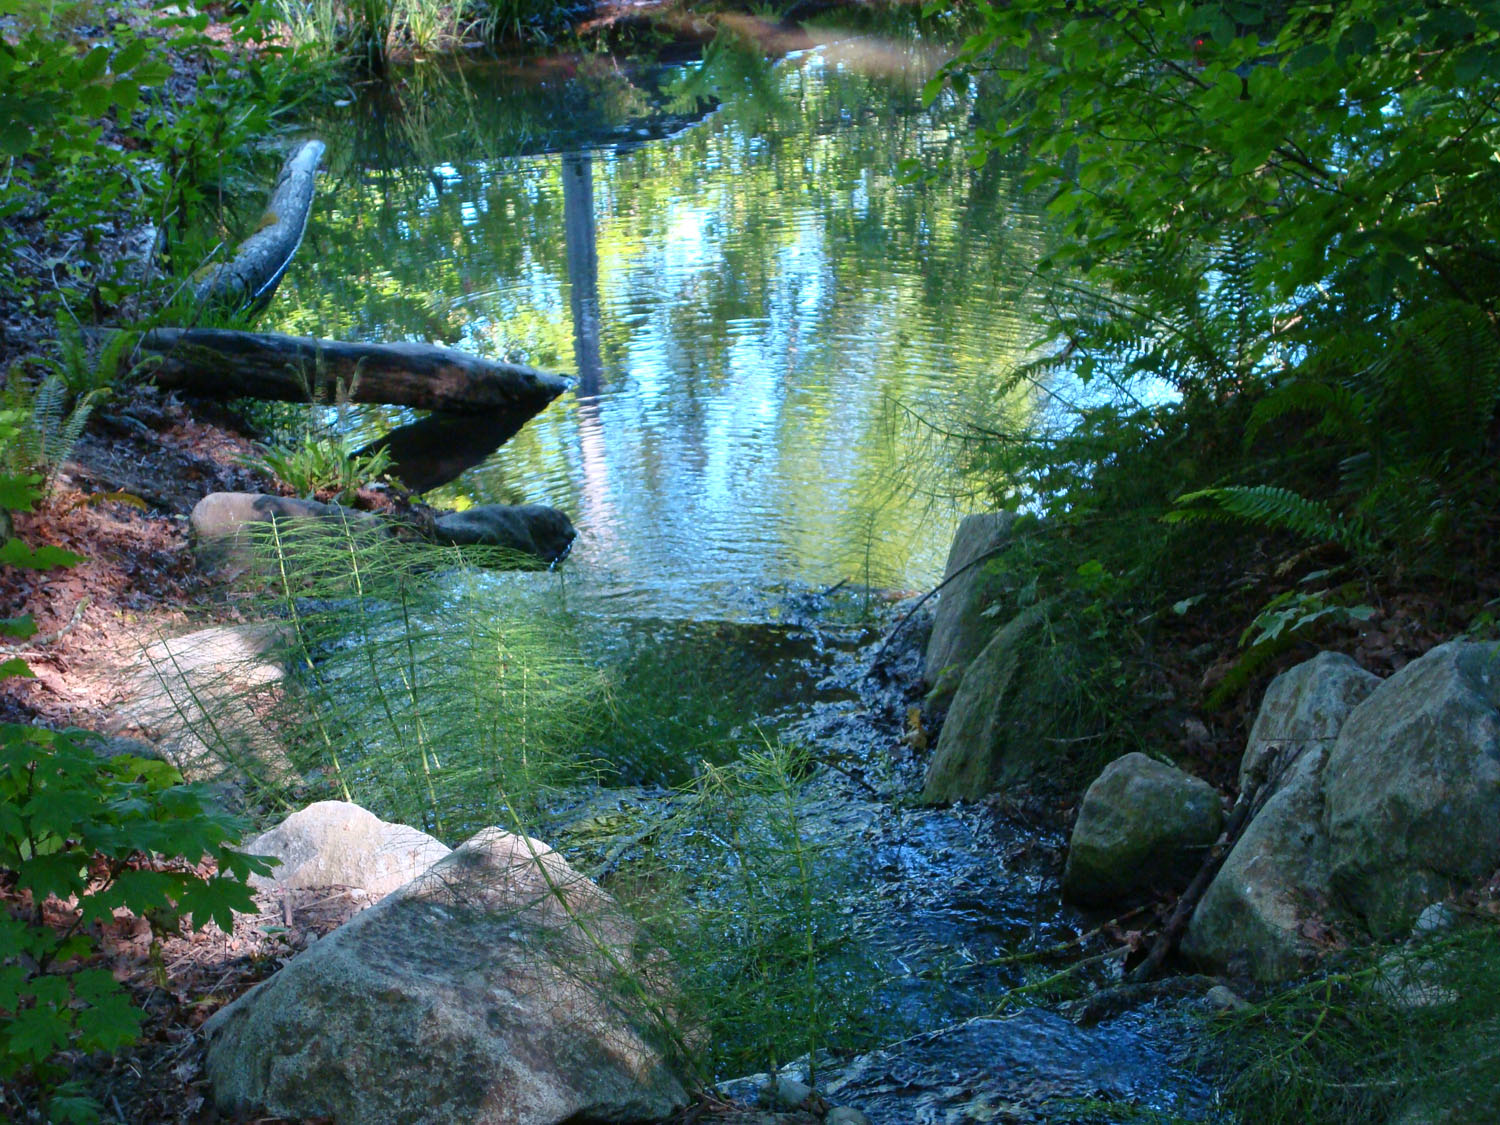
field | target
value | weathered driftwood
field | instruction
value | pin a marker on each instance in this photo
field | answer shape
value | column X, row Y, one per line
column 220, row 363
column 252, row 275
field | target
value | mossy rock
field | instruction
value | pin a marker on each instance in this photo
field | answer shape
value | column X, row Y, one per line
column 960, row 628
column 994, row 733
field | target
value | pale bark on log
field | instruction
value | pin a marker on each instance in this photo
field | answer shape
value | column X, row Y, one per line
column 220, row 363
column 251, row 277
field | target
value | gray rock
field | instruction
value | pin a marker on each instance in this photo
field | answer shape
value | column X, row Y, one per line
column 531, row 529
column 339, row 844
column 1258, row 915
column 1268, row 910
column 844, row 1115
column 1304, row 706
column 487, row 992
column 1413, row 787
column 1224, row 999
column 1140, row 822
column 1408, row 982
column 1437, row 918
column 987, row 739
column 220, row 524
column 784, row 1092
column 959, row 631
column 192, row 696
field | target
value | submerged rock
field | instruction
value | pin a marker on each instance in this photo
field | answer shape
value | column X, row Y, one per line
column 1269, row 909
column 531, row 529
column 1413, row 787
column 1141, row 822
column 959, row 628
column 1008, row 1069
column 339, row 844
column 490, row 991
column 220, row 523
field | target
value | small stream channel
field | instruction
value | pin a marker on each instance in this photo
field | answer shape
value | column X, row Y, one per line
column 765, row 311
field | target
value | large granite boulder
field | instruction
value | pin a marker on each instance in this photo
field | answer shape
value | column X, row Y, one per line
column 529, row 529
column 1412, row 787
column 1269, row 908
column 1304, row 707
column 197, row 699
column 959, row 629
column 991, row 736
column 339, row 844
column 490, row 991
column 221, row 523
column 1141, row 822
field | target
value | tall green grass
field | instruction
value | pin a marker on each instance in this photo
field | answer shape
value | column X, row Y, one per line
column 375, row 30
column 1407, row 1035
column 751, row 900
column 417, row 687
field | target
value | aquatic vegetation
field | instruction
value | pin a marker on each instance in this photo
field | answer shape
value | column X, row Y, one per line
column 751, row 906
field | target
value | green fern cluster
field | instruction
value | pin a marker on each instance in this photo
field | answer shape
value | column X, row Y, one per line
column 322, row 463
column 45, row 423
column 1270, row 506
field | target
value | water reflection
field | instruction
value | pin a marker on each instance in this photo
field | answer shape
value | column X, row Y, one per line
column 752, row 306
column 440, row 448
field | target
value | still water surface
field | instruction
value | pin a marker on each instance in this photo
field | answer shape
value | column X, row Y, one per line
column 755, row 295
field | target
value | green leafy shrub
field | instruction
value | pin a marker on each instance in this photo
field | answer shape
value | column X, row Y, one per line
column 1252, row 327
column 91, row 836
column 66, row 85
column 82, row 837
column 322, row 465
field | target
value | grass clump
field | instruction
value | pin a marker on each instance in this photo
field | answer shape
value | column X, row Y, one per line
column 751, row 900
column 415, row 686
column 1387, row 1035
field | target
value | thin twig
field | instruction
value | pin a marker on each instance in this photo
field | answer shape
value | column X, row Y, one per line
column 46, row 639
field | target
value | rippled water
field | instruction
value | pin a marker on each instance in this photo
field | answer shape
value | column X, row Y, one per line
column 757, row 304
column 769, row 317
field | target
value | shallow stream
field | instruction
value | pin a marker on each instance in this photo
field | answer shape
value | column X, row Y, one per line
column 776, row 282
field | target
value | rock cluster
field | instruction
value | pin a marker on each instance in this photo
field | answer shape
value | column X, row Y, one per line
column 498, row 988
column 1377, row 799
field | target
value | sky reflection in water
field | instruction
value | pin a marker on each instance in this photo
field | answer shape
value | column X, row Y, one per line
column 751, row 304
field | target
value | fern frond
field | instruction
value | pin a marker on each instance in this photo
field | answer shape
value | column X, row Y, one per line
column 1344, row 411
column 47, row 415
column 1270, row 506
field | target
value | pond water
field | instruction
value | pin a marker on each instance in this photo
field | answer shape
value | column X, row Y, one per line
column 771, row 320
column 766, row 316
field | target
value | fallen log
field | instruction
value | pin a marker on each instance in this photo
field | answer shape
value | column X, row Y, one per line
column 250, row 278
column 219, row 363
